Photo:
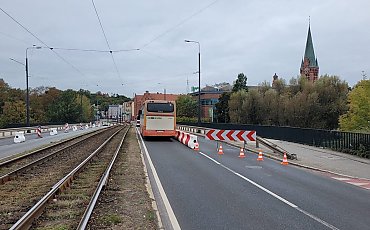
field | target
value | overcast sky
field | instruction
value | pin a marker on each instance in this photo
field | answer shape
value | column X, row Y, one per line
column 258, row 38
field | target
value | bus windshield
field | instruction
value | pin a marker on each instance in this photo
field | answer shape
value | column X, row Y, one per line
column 160, row 107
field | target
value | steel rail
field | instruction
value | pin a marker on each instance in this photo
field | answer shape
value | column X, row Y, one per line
column 7, row 177
column 102, row 183
column 276, row 148
column 27, row 219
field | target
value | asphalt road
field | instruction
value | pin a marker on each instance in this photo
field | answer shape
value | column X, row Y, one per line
column 8, row 147
column 209, row 191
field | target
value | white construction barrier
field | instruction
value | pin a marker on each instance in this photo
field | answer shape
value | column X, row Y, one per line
column 53, row 131
column 86, row 126
column 192, row 141
column 19, row 137
column 187, row 139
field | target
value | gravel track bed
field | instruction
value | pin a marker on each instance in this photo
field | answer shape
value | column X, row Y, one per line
column 39, row 154
column 125, row 202
column 18, row 196
column 66, row 210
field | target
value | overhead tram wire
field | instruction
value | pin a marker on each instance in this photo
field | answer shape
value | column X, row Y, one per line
column 179, row 24
column 37, row 38
column 91, row 50
column 106, row 40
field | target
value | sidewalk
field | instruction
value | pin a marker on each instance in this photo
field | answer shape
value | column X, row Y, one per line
column 318, row 158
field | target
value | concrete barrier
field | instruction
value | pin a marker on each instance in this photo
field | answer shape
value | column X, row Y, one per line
column 186, row 138
column 19, row 137
column 53, row 131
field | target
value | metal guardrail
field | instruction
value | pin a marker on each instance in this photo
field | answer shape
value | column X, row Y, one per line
column 4, row 133
column 276, row 148
column 348, row 142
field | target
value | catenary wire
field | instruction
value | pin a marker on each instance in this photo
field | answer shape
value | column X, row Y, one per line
column 106, row 40
column 179, row 24
column 58, row 55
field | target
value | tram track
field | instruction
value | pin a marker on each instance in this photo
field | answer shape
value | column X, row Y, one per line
column 17, row 196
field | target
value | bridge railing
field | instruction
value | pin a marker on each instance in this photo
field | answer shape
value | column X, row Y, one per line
column 349, row 142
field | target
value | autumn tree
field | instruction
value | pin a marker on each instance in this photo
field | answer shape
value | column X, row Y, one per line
column 358, row 116
column 236, row 107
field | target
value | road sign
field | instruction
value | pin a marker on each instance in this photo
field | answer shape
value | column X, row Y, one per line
column 230, row 135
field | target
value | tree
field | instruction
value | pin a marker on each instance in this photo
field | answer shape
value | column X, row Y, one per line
column 222, row 108
column 332, row 97
column 252, row 108
column 270, row 107
column 240, row 83
column 358, row 116
column 236, row 107
column 65, row 108
column 186, row 106
column 14, row 112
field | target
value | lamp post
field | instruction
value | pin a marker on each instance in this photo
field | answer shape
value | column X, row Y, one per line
column 27, row 90
column 198, row 78
column 164, row 91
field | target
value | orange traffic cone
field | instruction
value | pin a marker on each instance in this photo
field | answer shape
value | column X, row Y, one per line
column 241, row 155
column 220, row 151
column 260, row 158
column 196, row 146
column 285, row 160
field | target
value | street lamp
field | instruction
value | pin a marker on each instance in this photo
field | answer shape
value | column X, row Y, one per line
column 27, row 90
column 198, row 78
column 164, row 92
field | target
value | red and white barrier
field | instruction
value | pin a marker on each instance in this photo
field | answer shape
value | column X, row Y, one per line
column 230, row 135
column 38, row 132
column 187, row 138
column 66, row 128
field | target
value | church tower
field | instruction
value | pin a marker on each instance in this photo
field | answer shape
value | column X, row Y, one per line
column 309, row 66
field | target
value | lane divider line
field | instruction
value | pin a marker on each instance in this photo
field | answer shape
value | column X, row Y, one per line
column 272, row 194
column 171, row 214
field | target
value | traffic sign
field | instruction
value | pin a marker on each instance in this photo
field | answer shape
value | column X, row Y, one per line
column 230, row 135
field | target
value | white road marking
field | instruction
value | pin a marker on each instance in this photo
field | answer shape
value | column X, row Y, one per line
column 341, row 178
column 171, row 214
column 210, row 158
column 358, row 183
column 273, row 194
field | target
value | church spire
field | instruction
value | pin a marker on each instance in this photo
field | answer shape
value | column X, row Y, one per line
column 309, row 51
column 309, row 64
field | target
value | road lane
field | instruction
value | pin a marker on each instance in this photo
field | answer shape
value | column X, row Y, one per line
column 340, row 204
column 204, row 195
column 8, row 147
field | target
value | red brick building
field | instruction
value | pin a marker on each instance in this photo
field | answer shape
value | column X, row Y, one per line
column 209, row 96
column 139, row 100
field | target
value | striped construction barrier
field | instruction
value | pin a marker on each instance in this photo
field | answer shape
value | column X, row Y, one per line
column 186, row 138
